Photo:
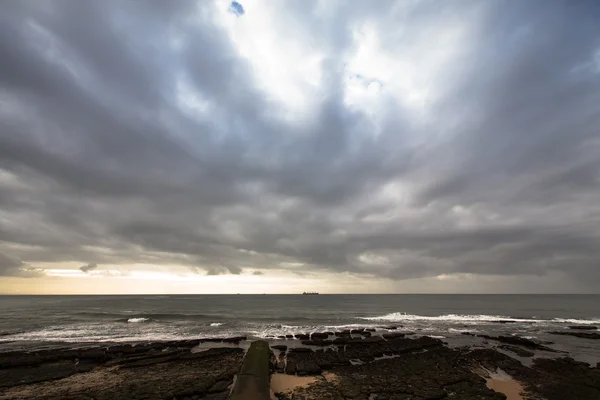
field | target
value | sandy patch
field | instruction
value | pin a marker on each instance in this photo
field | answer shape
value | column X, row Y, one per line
column 281, row 383
column 330, row 377
column 500, row 381
column 512, row 389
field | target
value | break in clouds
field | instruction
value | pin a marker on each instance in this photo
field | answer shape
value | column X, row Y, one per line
column 397, row 140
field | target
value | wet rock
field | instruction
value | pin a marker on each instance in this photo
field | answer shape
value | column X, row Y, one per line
column 281, row 347
column 517, row 350
column 564, row 378
column 467, row 333
column 519, row 341
column 582, row 335
column 391, row 327
column 220, row 386
column 281, row 337
column 300, row 350
column 235, row 339
column 370, row 329
column 139, row 376
column 583, row 327
column 290, row 367
column 356, row 331
column 317, row 342
column 302, row 336
column 394, row 335
column 40, row 373
column 289, row 336
column 280, row 366
column 308, row 367
column 319, row 336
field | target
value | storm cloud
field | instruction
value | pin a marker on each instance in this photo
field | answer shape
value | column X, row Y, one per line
column 88, row 267
column 10, row 266
column 398, row 140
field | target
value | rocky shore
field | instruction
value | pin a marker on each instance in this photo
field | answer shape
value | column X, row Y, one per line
column 358, row 364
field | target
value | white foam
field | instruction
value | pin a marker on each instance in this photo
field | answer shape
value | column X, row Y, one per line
column 577, row 321
column 137, row 320
column 465, row 330
column 216, row 324
column 401, row 317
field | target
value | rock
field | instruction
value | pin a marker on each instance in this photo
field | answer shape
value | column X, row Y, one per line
column 308, row 368
column 289, row 336
column 163, row 370
column 564, row 378
column 517, row 350
column 281, row 347
column 392, row 327
column 302, row 336
column 299, row 350
column 220, row 386
column 583, row 335
column 235, row 339
column 395, row 335
column 467, row 333
column 319, row 335
column 356, row 331
column 519, row 341
column 317, row 342
column 280, row 367
column 583, row 327
column 290, row 367
column 370, row 329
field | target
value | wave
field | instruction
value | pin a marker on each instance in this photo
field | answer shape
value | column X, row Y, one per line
column 137, row 320
column 577, row 321
column 127, row 315
column 478, row 318
column 216, row 324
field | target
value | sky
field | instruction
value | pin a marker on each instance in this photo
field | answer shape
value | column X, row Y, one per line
column 412, row 146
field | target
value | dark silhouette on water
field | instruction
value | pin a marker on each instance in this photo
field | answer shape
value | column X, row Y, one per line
column 310, row 293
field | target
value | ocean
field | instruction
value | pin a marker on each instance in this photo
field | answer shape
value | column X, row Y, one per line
column 33, row 321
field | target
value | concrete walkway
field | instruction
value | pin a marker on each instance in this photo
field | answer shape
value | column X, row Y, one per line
column 252, row 382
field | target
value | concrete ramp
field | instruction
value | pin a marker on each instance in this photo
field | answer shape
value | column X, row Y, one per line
column 252, row 382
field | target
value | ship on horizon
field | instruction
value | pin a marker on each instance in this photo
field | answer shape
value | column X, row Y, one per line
column 309, row 293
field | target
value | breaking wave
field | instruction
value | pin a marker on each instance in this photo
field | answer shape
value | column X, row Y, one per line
column 475, row 319
column 402, row 317
column 137, row 320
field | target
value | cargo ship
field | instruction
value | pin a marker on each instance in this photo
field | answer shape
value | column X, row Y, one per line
column 310, row 293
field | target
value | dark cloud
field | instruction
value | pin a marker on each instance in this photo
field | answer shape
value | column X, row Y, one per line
column 88, row 267
column 10, row 266
column 259, row 273
column 106, row 157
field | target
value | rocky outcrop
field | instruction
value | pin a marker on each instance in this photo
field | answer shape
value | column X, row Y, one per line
column 521, row 352
column 519, row 341
column 162, row 371
column 583, row 327
column 582, row 335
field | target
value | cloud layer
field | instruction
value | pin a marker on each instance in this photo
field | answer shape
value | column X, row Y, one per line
column 398, row 139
